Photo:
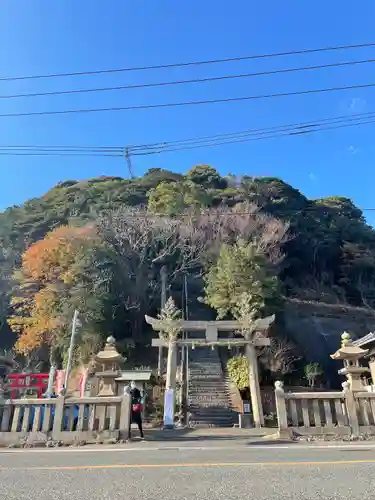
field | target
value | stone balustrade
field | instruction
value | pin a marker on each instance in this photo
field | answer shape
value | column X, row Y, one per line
column 342, row 413
column 65, row 420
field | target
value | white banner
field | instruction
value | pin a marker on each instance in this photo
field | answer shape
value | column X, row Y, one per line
column 169, row 408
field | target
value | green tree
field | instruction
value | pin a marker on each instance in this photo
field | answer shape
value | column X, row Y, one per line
column 168, row 316
column 312, row 372
column 240, row 269
column 207, row 177
column 166, row 198
column 172, row 198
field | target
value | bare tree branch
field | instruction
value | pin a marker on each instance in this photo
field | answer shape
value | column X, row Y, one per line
column 279, row 356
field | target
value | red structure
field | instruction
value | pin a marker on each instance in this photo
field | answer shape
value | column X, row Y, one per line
column 34, row 383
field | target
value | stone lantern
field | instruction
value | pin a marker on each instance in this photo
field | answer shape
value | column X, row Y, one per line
column 350, row 355
column 109, row 361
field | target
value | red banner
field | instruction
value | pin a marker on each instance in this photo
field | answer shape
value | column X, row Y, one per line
column 60, row 378
column 82, row 383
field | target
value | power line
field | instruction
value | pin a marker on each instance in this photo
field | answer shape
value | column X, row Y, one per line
column 293, row 131
column 56, row 153
column 195, row 80
column 297, row 126
column 189, row 103
column 192, row 63
column 65, row 147
column 203, row 141
column 256, row 137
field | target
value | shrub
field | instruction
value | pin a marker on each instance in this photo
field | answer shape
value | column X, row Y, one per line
column 238, row 370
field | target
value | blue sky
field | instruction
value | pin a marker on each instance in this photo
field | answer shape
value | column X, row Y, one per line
column 38, row 37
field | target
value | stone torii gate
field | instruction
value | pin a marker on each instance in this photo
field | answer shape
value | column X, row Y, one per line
column 251, row 341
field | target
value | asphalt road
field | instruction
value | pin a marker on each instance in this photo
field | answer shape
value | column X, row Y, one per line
column 226, row 472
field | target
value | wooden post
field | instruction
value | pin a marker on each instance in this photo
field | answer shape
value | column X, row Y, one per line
column 125, row 416
column 256, row 399
column 351, row 410
column 282, row 416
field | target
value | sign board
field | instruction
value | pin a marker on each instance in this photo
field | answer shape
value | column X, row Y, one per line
column 169, row 408
column 21, row 383
column 246, row 407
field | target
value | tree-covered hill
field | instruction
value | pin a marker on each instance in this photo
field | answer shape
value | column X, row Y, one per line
column 331, row 250
column 317, row 249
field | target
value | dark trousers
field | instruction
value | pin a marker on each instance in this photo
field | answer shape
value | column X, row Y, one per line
column 136, row 419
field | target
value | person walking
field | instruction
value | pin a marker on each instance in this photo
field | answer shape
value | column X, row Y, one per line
column 136, row 409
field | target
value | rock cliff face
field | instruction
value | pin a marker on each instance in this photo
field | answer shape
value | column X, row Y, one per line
column 317, row 327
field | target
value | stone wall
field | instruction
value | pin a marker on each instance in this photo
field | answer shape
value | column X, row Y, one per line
column 317, row 327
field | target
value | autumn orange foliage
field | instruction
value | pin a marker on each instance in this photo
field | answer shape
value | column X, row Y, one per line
column 45, row 260
column 45, row 265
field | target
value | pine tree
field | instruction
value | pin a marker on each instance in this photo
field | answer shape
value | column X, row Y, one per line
column 169, row 315
column 241, row 269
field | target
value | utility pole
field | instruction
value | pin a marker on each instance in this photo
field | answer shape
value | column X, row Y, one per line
column 184, row 357
column 71, row 348
column 129, row 163
column 163, row 279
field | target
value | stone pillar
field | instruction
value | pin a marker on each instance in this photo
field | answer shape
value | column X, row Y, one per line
column 372, row 369
column 171, row 366
column 282, row 416
column 170, row 386
column 256, row 399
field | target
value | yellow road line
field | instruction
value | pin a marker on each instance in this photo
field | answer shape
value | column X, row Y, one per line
column 193, row 465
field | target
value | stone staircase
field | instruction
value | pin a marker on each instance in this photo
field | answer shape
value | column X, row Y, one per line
column 208, row 392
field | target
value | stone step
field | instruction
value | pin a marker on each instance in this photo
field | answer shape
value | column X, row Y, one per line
column 211, row 383
column 208, row 388
column 211, row 415
column 195, row 372
column 207, row 370
column 218, row 406
column 197, row 391
column 206, row 379
column 205, row 364
column 222, row 422
column 206, row 393
column 212, row 402
column 209, row 402
column 222, row 414
column 211, row 394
